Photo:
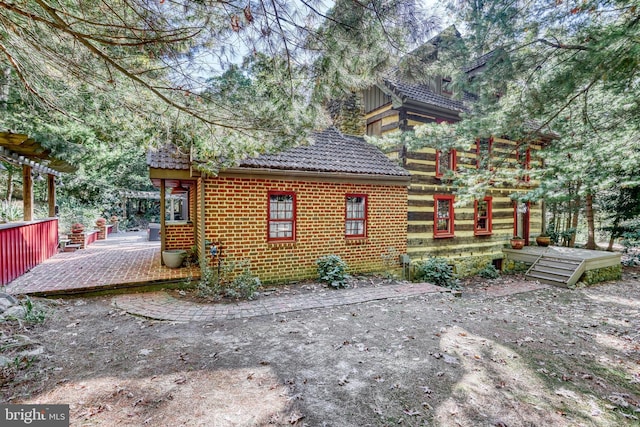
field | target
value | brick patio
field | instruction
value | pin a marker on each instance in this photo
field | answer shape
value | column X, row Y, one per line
column 124, row 260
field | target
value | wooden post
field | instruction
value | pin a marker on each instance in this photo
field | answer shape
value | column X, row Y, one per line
column 27, row 193
column 51, row 188
column 202, row 250
column 163, row 233
column 124, row 208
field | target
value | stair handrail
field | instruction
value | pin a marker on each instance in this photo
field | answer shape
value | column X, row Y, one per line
column 536, row 261
column 577, row 272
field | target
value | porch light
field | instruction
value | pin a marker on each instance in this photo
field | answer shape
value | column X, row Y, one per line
column 179, row 189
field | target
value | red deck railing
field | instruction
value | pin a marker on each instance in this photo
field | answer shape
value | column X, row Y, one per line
column 25, row 245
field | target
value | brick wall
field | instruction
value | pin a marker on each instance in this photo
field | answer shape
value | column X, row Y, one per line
column 83, row 239
column 237, row 220
column 179, row 236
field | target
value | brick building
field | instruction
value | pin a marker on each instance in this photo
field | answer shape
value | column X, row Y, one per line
column 283, row 211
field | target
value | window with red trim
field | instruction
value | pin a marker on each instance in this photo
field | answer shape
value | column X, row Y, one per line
column 282, row 216
column 484, row 147
column 356, row 215
column 523, row 157
column 443, row 216
column 445, row 161
column 482, row 217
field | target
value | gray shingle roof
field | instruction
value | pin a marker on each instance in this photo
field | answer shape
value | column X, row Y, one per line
column 421, row 93
column 331, row 152
column 167, row 157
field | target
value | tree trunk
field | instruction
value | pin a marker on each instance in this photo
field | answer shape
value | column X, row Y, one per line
column 9, row 186
column 574, row 221
column 576, row 215
column 591, row 227
column 614, row 232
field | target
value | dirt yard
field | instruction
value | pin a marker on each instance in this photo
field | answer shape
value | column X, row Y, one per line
column 550, row 357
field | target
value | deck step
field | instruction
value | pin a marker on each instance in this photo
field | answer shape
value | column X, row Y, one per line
column 560, row 272
column 71, row 247
column 557, row 271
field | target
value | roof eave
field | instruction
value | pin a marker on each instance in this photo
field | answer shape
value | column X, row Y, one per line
column 381, row 179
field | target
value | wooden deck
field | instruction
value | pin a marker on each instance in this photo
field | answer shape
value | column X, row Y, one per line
column 593, row 259
column 563, row 267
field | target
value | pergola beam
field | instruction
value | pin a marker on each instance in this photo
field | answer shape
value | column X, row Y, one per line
column 17, row 159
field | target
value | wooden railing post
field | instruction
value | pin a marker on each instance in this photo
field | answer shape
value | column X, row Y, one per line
column 27, row 193
column 51, row 196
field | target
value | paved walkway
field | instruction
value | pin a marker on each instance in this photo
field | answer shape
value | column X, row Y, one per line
column 123, row 260
column 162, row 306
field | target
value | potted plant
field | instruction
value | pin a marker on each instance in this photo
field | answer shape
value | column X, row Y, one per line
column 517, row 242
column 100, row 222
column 77, row 228
column 543, row 239
column 174, row 258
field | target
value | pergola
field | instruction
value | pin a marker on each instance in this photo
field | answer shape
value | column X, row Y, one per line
column 21, row 150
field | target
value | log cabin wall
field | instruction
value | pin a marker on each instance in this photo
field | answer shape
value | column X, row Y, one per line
column 468, row 251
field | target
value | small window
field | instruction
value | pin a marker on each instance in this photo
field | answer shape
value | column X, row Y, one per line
column 356, row 216
column 484, row 147
column 282, row 216
column 445, row 161
column 374, row 128
column 446, row 86
column 482, row 217
column 523, row 156
column 443, row 216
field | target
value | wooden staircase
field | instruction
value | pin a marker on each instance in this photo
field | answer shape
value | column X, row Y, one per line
column 558, row 271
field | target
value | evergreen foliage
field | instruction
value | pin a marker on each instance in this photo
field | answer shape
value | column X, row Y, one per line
column 152, row 63
column 561, row 72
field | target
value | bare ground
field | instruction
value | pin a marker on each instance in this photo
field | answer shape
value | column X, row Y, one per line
column 551, row 357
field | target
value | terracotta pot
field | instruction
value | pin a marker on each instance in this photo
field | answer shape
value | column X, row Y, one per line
column 77, row 228
column 543, row 241
column 517, row 243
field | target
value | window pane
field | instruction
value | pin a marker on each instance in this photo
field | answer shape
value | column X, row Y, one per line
column 443, row 209
column 444, row 162
column 355, row 228
column 442, row 225
column 482, row 209
column 280, row 229
column 443, row 219
column 281, row 207
column 355, row 207
column 482, row 224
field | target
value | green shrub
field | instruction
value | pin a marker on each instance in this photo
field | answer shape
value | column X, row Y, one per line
column 437, row 271
column 332, row 270
column 215, row 281
column 489, row 272
column 244, row 285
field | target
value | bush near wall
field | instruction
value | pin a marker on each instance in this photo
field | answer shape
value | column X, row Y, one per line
column 604, row 274
column 471, row 266
column 511, row 266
